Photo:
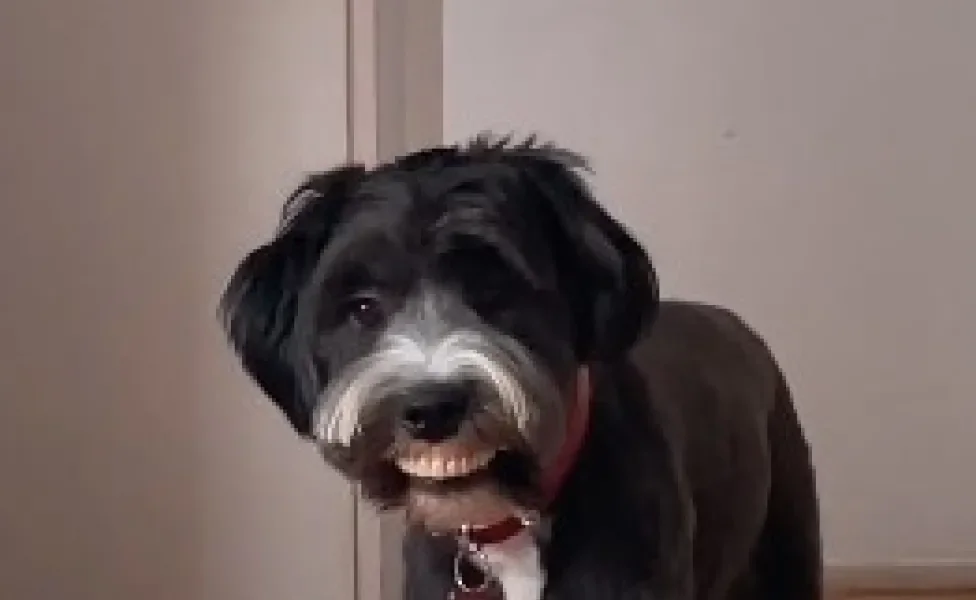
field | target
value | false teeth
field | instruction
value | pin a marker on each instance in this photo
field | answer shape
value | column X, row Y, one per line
column 436, row 463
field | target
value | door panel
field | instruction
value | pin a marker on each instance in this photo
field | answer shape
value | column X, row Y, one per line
column 143, row 147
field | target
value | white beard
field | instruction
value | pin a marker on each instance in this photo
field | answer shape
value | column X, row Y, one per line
column 402, row 358
column 421, row 345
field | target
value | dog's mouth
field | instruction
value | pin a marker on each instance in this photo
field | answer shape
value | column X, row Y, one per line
column 440, row 462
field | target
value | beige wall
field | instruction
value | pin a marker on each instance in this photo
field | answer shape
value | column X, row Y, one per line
column 143, row 147
column 810, row 164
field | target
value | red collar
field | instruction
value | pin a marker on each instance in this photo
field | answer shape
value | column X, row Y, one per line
column 554, row 477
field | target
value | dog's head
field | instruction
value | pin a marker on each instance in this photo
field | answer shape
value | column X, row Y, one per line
column 424, row 322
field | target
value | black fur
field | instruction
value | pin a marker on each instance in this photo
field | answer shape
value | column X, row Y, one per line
column 259, row 305
column 694, row 480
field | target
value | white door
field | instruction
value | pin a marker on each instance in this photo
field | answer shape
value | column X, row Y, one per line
column 144, row 146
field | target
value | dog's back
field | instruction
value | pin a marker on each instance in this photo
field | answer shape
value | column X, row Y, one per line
column 723, row 401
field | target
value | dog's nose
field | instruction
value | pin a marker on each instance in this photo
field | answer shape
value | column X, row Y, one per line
column 434, row 412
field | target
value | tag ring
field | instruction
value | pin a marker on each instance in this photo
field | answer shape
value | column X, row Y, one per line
column 459, row 579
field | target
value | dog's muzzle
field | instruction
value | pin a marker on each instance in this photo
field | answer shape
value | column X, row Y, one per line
column 433, row 386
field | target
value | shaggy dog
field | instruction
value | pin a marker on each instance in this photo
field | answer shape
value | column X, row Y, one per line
column 466, row 334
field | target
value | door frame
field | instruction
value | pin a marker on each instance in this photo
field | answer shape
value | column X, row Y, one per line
column 394, row 105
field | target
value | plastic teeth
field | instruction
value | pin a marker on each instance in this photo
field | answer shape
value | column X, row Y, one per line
column 436, row 463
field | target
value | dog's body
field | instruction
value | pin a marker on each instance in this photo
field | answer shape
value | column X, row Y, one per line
column 694, row 476
column 439, row 325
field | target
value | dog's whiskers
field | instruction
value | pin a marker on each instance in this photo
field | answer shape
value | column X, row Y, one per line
column 405, row 359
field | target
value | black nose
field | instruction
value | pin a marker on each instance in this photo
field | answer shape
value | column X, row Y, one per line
column 434, row 412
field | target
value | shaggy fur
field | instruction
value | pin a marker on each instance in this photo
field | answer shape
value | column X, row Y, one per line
column 435, row 311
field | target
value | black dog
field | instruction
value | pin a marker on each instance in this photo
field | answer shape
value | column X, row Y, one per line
column 469, row 336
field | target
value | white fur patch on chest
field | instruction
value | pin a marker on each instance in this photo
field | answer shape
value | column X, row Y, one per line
column 517, row 565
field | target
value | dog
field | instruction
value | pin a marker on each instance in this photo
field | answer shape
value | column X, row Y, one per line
column 467, row 335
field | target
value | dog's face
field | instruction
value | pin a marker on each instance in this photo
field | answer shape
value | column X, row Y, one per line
column 424, row 322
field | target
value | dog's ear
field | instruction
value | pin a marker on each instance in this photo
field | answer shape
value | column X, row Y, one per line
column 258, row 307
column 619, row 294
column 609, row 277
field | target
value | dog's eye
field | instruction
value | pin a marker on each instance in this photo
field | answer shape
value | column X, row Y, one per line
column 365, row 311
